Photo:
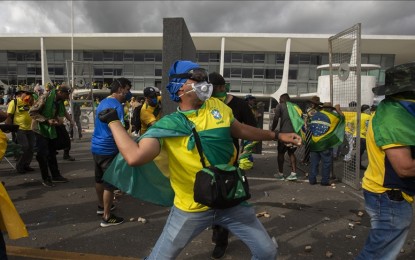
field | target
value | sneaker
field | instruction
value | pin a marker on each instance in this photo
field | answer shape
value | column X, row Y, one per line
column 219, row 251
column 28, row 169
column 100, row 210
column 279, row 176
column 69, row 158
column 112, row 221
column 48, row 183
column 59, row 179
column 292, row 177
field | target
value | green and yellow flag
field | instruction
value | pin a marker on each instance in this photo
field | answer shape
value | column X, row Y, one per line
column 327, row 130
column 394, row 122
column 295, row 113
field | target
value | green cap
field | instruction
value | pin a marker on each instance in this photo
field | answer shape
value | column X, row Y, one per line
column 400, row 78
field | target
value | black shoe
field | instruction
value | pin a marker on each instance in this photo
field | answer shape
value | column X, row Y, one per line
column 111, row 221
column 325, row 184
column 362, row 167
column 48, row 183
column 219, row 251
column 69, row 158
column 59, row 179
column 20, row 171
column 28, row 169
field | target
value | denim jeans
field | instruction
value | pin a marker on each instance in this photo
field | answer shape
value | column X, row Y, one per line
column 326, row 158
column 181, row 227
column 390, row 221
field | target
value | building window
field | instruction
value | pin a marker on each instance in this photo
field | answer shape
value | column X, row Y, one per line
column 118, row 56
column 214, row 57
column 247, row 73
column 236, row 72
column 270, row 73
column 248, row 58
column 236, row 57
column 279, row 58
column 138, row 56
column 259, row 58
column 258, row 73
column 128, row 56
column 278, row 74
column 203, row 57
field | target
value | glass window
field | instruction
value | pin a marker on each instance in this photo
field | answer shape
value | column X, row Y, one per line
column 108, row 56
column 270, row 58
column 118, row 72
column 128, row 69
column 236, row 72
column 30, row 56
column 259, row 73
column 313, row 73
column 303, row 72
column 138, row 56
column 213, row 68
column 258, row 87
column 292, row 74
column 31, row 69
column 226, row 73
column 236, row 57
column 235, row 86
column 97, row 56
column 138, row 70
column 158, row 57
column 58, row 55
column 247, row 73
column 278, row 73
column 21, row 69
column 51, row 71
column 12, row 70
column 3, row 70
column 214, row 57
column 38, row 70
column 248, row 58
column 149, row 57
column 324, row 59
column 374, row 59
column 227, row 57
column 364, row 59
column 302, row 88
column 259, row 58
column 270, row 73
column 108, row 72
column 387, row 61
column 98, row 72
column 270, row 87
column 279, row 58
column 128, row 56
column 59, row 71
column 312, row 87
column 246, row 87
column 294, row 59
column 138, row 84
column 149, row 82
column 292, row 89
column 118, row 56
column 20, row 56
column 87, row 56
column 158, row 72
column 304, row 58
column 203, row 57
column 3, row 56
column 149, row 70
column 11, row 56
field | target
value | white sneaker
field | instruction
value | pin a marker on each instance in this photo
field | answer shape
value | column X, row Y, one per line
column 279, row 176
column 292, row 177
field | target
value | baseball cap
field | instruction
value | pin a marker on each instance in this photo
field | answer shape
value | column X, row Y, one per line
column 150, row 92
column 249, row 97
column 400, row 78
column 63, row 88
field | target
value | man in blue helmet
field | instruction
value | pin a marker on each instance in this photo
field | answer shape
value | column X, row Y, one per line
column 216, row 126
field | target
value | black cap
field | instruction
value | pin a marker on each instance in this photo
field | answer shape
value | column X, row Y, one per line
column 150, row 92
column 216, row 79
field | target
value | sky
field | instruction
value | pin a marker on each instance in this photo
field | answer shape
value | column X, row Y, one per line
column 309, row 17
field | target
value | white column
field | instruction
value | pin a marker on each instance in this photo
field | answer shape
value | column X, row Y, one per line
column 222, row 56
column 284, row 81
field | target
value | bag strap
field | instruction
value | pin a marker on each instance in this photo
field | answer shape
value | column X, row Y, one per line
column 198, row 142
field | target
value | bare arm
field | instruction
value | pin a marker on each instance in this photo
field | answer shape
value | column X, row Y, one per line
column 247, row 132
column 134, row 154
column 402, row 161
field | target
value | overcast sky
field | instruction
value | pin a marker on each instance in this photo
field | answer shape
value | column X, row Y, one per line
column 314, row 17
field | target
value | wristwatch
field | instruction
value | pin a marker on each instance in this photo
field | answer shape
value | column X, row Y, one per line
column 276, row 135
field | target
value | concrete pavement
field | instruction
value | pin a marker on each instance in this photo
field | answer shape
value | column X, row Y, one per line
column 63, row 224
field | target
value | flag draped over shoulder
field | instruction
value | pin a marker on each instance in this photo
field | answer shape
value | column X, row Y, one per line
column 295, row 114
column 394, row 122
column 150, row 182
column 327, row 130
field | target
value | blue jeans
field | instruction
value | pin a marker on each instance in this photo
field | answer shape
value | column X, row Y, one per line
column 326, row 158
column 181, row 227
column 390, row 221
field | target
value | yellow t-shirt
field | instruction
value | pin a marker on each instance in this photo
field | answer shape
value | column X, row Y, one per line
column 148, row 115
column 364, row 123
column 21, row 114
column 183, row 164
column 374, row 177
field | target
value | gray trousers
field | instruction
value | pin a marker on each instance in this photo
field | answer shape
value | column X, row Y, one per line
column 25, row 138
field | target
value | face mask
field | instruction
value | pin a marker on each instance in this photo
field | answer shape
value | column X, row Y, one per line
column 154, row 101
column 203, row 90
column 128, row 96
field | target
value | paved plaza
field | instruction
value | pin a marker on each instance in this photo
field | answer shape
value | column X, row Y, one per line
column 307, row 222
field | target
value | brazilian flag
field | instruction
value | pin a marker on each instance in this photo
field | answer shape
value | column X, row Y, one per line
column 295, row 114
column 394, row 122
column 150, row 182
column 327, row 130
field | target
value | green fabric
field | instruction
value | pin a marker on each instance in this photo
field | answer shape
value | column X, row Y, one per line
column 332, row 138
column 295, row 114
column 148, row 182
column 393, row 124
column 49, row 111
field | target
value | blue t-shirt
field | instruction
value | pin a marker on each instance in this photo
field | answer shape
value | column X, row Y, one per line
column 102, row 142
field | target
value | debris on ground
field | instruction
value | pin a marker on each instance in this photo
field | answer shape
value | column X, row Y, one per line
column 308, row 248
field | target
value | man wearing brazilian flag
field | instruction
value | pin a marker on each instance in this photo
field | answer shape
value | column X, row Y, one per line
column 172, row 136
column 389, row 181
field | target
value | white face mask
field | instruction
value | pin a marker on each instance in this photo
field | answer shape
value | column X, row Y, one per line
column 203, row 90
